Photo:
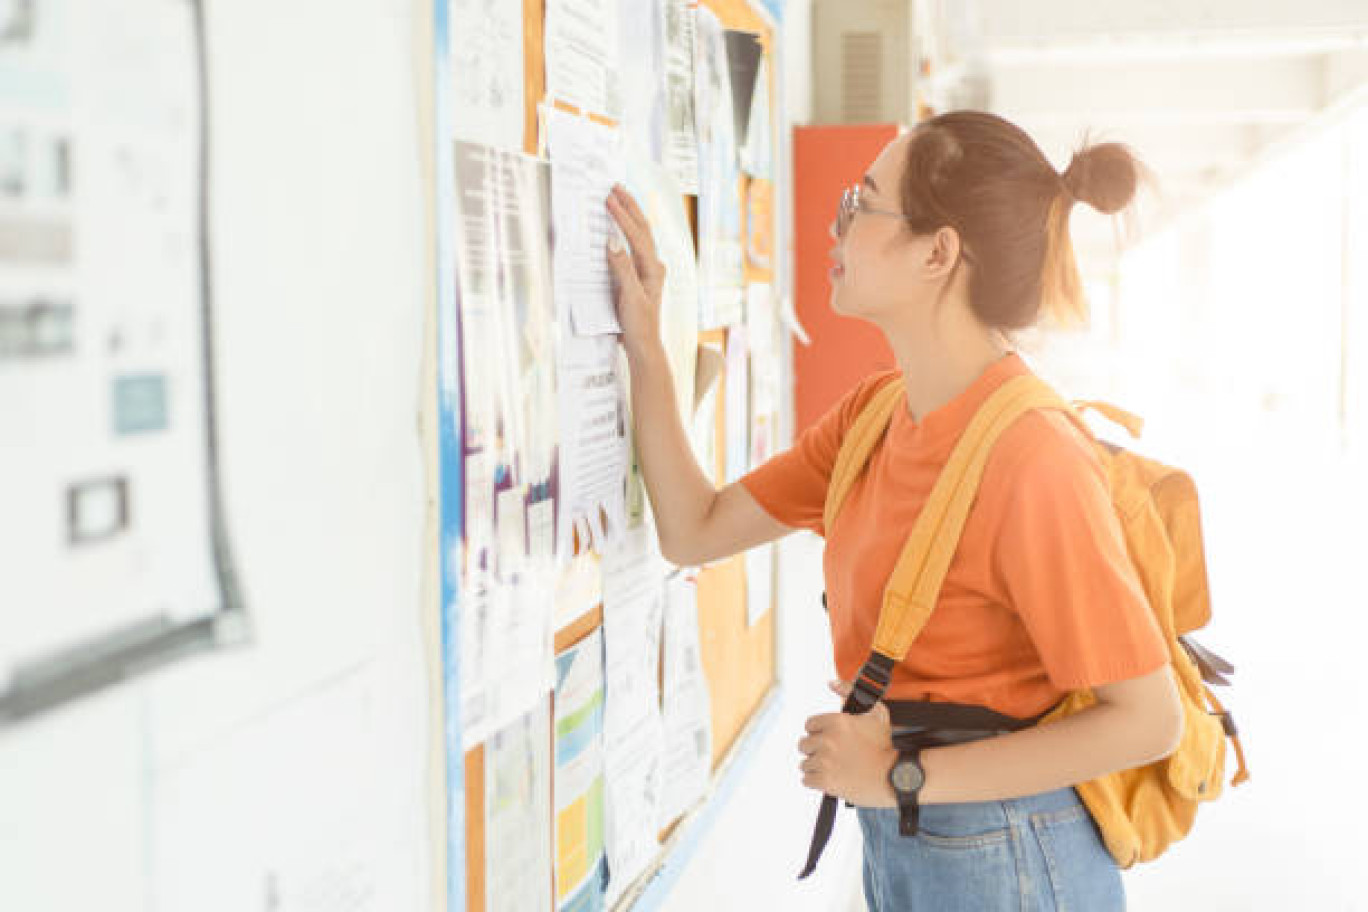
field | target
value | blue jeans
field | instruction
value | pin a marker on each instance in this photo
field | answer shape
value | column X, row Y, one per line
column 1041, row 852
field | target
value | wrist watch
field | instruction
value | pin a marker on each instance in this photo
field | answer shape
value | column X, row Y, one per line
column 907, row 778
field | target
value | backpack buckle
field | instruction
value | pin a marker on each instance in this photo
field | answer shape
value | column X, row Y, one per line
column 870, row 684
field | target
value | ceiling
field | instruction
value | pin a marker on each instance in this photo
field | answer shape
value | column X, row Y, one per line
column 1198, row 89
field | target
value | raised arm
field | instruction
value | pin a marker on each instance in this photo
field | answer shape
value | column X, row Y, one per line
column 696, row 522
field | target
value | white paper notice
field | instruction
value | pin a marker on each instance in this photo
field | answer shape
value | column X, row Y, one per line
column 641, row 64
column 508, row 329
column 633, row 612
column 581, row 54
column 486, row 42
column 507, row 648
column 517, row 807
column 593, row 453
column 681, row 139
column 586, row 160
column 686, row 706
column 661, row 198
column 757, row 155
column 579, row 588
column 762, row 334
column 594, row 449
column 512, row 524
column 737, row 415
column 541, row 532
column 719, row 188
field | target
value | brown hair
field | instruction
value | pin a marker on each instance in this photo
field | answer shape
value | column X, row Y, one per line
column 986, row 178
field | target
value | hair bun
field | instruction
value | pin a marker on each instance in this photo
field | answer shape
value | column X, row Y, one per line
column 1104, row 176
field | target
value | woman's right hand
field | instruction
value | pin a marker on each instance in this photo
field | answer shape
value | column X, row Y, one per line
column 638, row 274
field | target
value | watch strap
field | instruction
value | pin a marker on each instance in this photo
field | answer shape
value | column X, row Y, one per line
column 909, row 805
column 909, row 818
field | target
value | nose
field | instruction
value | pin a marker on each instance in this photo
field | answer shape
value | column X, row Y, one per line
column 834, row 230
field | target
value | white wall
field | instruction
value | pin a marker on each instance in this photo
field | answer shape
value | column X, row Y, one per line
column 299, row 771
column 1232, row 333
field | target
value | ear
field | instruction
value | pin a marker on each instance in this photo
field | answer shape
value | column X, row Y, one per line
column 943, row 253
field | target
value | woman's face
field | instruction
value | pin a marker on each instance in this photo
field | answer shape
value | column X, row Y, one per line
column 880, row 270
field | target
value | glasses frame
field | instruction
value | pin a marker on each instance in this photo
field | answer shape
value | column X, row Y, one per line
column 852, row 205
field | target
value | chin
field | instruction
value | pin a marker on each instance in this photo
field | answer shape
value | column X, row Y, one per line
column 835, row 303
column 846, row 307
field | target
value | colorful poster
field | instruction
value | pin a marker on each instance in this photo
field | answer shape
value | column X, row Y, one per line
column 581, row 867
column 508, row 334
column 508, row 328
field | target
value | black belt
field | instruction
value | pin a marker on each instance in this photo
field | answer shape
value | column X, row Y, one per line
column 922, row 723
column 928, row 714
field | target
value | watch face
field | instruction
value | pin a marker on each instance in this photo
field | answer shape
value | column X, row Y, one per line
column 907, row 776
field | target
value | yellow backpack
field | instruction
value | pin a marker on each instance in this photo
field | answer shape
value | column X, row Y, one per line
column 1139, row 811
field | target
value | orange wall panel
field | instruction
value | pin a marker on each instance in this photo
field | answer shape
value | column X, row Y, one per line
column 826, row 160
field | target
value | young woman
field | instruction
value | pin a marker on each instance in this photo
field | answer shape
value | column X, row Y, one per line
column 953, row 238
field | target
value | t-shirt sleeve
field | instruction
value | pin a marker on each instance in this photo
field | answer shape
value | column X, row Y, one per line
column 792, row 485
column 1061, row 558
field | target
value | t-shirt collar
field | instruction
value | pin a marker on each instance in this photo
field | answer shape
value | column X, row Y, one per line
column 950, row 420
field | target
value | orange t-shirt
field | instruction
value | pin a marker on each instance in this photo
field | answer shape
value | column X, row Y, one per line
column 1040, row 598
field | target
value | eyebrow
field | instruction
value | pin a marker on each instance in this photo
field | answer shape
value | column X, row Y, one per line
column 870, row 181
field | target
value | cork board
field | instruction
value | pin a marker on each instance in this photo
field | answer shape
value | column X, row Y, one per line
column 738, row 660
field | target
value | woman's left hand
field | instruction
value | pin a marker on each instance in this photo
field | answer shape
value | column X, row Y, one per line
column 849, row 756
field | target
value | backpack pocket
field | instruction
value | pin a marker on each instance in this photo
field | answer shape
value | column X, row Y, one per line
column 1196, row 770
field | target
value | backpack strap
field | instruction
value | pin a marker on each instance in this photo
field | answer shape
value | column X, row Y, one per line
column 916, row 581
column 1133, row 423
column 859, row 441
column 917, row 577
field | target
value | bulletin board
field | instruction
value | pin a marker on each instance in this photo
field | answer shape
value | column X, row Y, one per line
column 497, row 177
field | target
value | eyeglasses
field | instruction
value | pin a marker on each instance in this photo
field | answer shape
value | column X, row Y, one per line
column 851, row 203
